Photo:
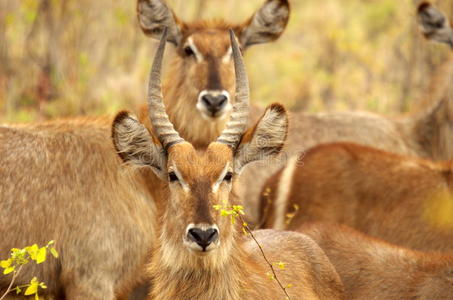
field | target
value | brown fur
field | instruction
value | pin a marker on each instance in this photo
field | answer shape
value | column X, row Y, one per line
column 181, row 91
column 372, row 269
column 232, row 268
column 63, row 180
column 425, row 133
column 406, row 201
column 244, row 274
column 190, row 76
column 102, row 230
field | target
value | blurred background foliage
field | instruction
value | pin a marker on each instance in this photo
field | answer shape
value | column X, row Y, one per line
column 66, row 57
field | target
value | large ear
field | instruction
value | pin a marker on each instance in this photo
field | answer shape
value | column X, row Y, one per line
column 266, row 25
column 434, row 24
column 154, row 15
column 265, row 139
column 135, row 145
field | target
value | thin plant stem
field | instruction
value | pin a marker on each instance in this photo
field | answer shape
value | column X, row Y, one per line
column 265, row 258
column 9, row 289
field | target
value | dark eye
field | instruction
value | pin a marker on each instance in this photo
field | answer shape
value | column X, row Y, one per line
column 188, row 51
column 228, row 177
column 172, row 177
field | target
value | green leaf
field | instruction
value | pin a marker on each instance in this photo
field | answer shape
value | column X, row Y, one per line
column 32, row 251
column 41, row 255
column 281, row 265
column 270, row 275
column 8, row 270
column 32, row 288
column 18, row 290
column 6, row 263
column 238, row 208
column 54, row 252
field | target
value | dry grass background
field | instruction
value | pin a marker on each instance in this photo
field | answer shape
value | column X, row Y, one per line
column 67, row 57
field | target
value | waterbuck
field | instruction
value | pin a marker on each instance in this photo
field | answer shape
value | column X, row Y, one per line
column 62, row 179
column 199, row 90
column 427, row 133
column 404, row 200
column 407, row 201
column 373, row 269
column 201, row 254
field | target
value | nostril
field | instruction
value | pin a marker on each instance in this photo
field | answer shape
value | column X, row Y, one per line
column 214, row 103
column 213, row 235
column 193, row 235
column 221, row 100
column 203, row 237
column 207, row 100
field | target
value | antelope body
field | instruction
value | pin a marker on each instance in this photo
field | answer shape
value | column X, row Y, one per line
column 372, row 269
column 426, row 133
column 200, row 254
column 53, row 190
column 404, row 200
column 63, row 181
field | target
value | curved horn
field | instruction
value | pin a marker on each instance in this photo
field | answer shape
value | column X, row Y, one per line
column 164, row 129
column 237, row 124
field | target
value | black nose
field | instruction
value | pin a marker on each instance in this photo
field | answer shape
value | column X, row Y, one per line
column 214, row 103
column 203, row 237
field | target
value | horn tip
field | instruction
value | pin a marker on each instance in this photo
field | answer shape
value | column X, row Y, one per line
column 423, row 6
column 165, row 32
column 277, row 107
column 232, row 35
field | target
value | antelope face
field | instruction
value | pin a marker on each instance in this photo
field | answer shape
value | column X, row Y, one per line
column 197, row 181
column 203, row 68
column 209, row 72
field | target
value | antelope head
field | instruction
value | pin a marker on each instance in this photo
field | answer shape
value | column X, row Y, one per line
column 434, row 24
column 203, row 68
column 196, row 180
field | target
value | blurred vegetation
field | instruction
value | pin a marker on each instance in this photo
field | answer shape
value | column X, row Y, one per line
column 67, row 57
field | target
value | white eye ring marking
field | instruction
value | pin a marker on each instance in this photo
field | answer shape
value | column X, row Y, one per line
column 216, row 185
column 181, row 180
column 227, row 57
column 194, row 48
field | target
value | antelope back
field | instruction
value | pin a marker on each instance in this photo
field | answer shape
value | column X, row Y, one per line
column 374, row 269
column 403, row 200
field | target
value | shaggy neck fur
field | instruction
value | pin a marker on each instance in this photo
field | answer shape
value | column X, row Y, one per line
column 171, row 282
column 177, row 273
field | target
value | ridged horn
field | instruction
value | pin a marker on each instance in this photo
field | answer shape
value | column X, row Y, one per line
column 237, row 123
column 164, row 129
